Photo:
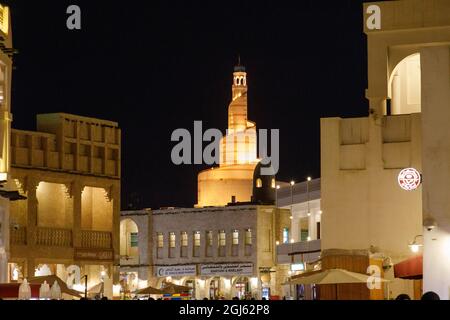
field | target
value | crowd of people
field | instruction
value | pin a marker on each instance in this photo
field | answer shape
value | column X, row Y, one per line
column 430, row 295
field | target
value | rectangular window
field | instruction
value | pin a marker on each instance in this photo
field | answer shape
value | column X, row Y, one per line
column 222, row 238
column 209, row 238
column 197, row 239
column 133, row 239
column 248, row 242
column 184, row 239
column 160, row 239
column 235, row 243
column 285, row 235
column 172, row 239
column 196, row 248
column 209, row 244
column 184, row 245
column 248, row 236
column 235, row 237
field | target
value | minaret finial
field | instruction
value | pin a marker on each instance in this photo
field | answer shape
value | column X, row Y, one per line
column 239, row 67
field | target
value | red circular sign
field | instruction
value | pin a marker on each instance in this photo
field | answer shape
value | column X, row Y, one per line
column 409, row 179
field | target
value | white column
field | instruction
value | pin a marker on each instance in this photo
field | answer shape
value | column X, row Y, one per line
column 435, row 65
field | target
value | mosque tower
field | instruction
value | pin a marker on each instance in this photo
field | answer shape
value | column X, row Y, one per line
column 233, row 179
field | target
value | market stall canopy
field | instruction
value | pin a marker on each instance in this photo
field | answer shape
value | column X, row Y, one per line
column 333, row 276
column 51, row 279
column 171, row 288
column 149, row 290
column 11, row 290
column 411, row 268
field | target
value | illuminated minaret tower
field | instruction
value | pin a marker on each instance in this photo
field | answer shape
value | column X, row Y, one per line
column 237, row 111
column 232, row 180
column 239, row 144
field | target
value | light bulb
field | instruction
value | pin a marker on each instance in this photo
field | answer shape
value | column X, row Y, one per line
column 414, row 248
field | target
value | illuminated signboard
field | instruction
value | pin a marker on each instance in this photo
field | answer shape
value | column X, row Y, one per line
column 409, row 179
column 297, row 267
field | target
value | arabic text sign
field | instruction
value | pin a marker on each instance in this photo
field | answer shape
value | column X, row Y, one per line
column 175, row 271
column 226, row 269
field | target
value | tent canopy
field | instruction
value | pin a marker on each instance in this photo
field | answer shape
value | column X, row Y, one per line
column 50, row 280
column 149, row 290
column 172, row 288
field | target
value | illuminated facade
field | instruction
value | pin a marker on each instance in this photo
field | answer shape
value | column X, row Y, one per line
column 218, row 251
column 238, row 157
column 6, row 184
column 69, row 171
column 409, row 96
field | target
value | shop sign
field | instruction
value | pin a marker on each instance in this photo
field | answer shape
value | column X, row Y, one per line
column 297, row 267
column 176, row 271
column 92, row 254
column 227, row 269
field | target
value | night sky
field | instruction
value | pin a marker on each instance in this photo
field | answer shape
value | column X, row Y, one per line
column 155, row 66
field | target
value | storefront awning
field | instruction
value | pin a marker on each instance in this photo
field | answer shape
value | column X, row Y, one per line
column 411, row 268
column 11, row 290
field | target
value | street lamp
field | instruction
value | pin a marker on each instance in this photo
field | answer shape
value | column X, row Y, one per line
column 415, row 246
column 292, row 196
column 85, row 285
column 276, row 195
column 308, row 213
column 307, row 193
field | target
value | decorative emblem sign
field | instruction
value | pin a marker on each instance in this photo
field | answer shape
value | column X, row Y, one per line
column 409, row 179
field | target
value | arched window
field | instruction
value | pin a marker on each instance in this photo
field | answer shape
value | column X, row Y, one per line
column 258, row 183
column 129, row 243
column 405, row 86
column 273, row 184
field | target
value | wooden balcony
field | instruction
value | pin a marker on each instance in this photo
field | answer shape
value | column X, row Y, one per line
column 53, row 237
column 18, row 235
column 96, row 239
column 60, row 238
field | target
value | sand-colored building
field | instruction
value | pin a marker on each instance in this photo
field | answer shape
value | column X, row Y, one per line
column 6, row 53
column 407, row 126
column 224, row 251
column 69, row 171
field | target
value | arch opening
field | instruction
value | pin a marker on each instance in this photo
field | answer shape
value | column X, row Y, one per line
column 404, row 88
column 129, row 244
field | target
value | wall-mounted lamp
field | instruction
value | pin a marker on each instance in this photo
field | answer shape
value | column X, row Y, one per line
column 415, row 246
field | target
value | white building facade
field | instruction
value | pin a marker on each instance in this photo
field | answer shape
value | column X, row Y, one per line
column 407, row 126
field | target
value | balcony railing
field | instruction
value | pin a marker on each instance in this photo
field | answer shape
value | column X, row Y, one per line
column 53, row 237
column 96, row 239
column 18, row 235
